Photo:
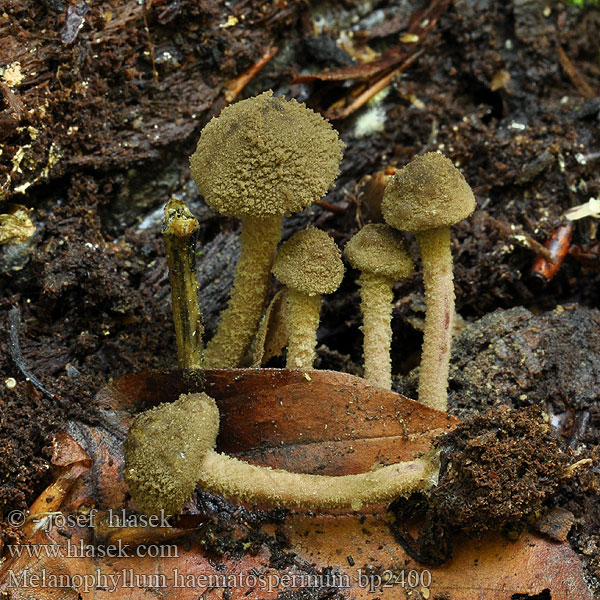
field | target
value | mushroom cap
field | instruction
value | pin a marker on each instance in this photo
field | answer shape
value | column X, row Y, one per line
column 429, row 192
column 164, row 451
column 380, row 250
column 309, row 262
column 265, row 156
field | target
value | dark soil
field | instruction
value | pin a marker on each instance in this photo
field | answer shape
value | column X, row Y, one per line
column 103, row 104
column 497, row 470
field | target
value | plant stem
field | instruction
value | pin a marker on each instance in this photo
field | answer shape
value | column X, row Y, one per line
column 376, row 307
column 179, row 231
column 439, row 296
column 303, row 321
column 240, row 320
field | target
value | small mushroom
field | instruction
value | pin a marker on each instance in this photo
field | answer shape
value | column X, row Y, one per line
column 165, row 450
column 426, row 197
column 171, row 447
column 379, row 253
column 262, row 158
column 309, row 264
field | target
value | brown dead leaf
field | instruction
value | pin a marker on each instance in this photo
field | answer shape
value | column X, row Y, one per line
column 74, row 462
column 316, row 421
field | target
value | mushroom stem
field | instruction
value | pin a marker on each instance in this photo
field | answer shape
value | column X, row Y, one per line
column 179, row 231
column 240, row 320
column 231, row 477
column 303, row 321
column 439, row 296
column 376, row 306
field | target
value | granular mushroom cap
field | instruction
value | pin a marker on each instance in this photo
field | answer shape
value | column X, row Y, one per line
column 265, row 156
column 429, row 192
column 380, row 250
column 165, row 448
column 310, row 262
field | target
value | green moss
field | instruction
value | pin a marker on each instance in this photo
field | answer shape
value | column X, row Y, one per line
column 584, row 3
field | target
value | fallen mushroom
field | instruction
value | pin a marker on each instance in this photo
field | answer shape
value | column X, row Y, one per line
column 426, row 197
column 171, row 447
column 309, row 264
column 379, row 253
column 260, row 159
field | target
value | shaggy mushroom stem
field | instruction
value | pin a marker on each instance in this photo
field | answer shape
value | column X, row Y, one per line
column 303, row 321
column 230, row 477
column 376, row 303
column 171, row 447
column 179, row 230
column 379, row 252
column 439, row 295
column 241, row 318
column 309, row 264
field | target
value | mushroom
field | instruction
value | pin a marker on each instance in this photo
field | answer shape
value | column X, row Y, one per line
column 171, row 447
column 308, row 264
column 379, row 253
column 426, row 197
column 262, row 158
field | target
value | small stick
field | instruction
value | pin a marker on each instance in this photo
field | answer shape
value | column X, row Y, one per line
column 518, row 236
column 150, row 44
column 237, row 85
column 558, row 246
column 379, row 85
column 179, row 230
column 14, row 320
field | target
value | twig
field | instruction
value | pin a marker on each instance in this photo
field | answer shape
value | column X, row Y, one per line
column 14, row 320
column 365, row 96
column 150, row 45
column 333, row 208
column 577, row 77
column 518, row 236
column 558, row 246
column 237, row 85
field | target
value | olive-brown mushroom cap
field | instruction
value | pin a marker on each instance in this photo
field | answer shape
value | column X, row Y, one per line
column 380, row 250
column 164, row 451
column 265, row 156
column 309, row 262
column 429, row 192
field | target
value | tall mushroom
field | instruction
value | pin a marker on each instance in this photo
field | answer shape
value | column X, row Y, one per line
column 426, row 197
column 171, row 447
column 379, row 253
column 309, row 264
column 260, row 159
